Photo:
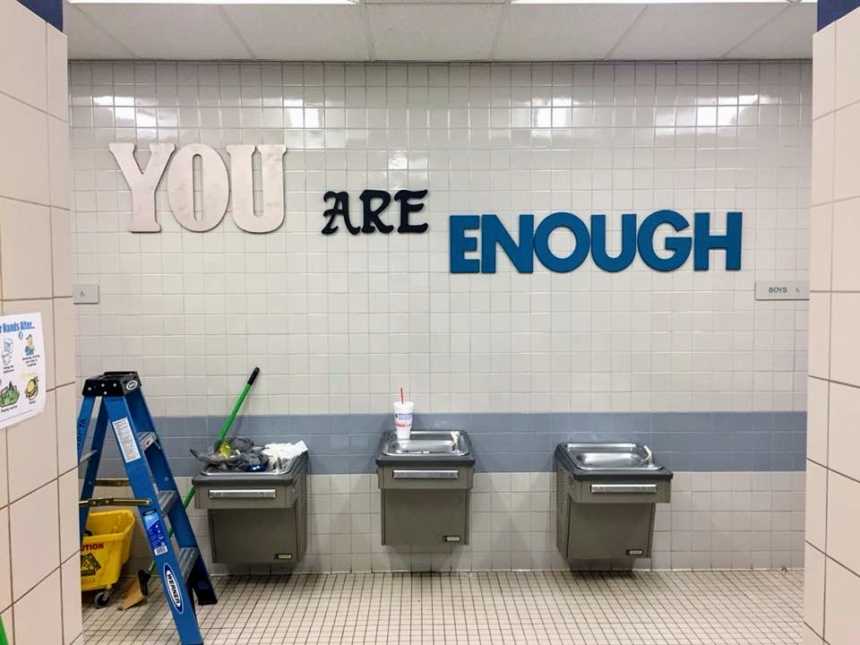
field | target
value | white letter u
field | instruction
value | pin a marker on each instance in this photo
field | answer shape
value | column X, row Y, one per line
column 242, row 181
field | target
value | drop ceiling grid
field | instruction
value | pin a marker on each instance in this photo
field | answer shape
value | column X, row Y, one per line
column 397, row 30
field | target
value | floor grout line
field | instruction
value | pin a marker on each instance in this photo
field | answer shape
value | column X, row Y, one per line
column 492, row 607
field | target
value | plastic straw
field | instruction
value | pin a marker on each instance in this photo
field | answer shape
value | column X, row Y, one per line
column 402, row 399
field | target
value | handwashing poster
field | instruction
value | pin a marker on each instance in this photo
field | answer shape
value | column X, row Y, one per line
column 22, row 367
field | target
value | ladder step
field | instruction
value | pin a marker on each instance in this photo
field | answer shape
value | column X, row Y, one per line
column 123, row 409
column 86, row 457
column 187, row 557
column 147, row 439
column 167, row 500
column 112, row 501
column 116, row 482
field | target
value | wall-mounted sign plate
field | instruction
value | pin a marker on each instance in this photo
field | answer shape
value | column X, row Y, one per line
column 85, row 294
column 782, row 290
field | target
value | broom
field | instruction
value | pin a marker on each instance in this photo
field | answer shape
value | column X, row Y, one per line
column 137, row 590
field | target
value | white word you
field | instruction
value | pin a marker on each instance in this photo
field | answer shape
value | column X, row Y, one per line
column 216, row 184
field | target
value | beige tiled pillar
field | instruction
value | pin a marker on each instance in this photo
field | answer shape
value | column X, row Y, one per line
column 833, row 471
column 39, row 545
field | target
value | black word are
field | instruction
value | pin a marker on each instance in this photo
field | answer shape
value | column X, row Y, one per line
column 373, row 204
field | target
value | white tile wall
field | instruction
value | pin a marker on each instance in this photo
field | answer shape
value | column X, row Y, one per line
column 816, row 505
column 822, row 159
column 67, row 457
column 809, row 637
column 845, row 350
column 847, row 53
column 846, row 156
column 23, row 171
column 715, row 520
column 35, row 275
column 65, row 327
column 70, row 573
column 841, row 619
column 61, row 249
column 35, row 622
column 813, row 588
column 57, row 76
column 4, row 472
column 842, row 435
column 35, row 537
column 823, row 71
column 32, row 445
column 843, row 519
column 817, row 420
column 5, row 564
column 193, row 312
column 22, row 38
column 25, row 261
column 845, row 229
column 819, row 334
column 833, row 480
column 821, row 245
column 60, row 173
column 68, row 503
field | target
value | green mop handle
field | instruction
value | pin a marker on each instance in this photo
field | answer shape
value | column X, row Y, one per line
column 3, row 639
column 228, row 423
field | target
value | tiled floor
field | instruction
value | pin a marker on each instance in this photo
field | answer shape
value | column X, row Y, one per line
column 747, row 607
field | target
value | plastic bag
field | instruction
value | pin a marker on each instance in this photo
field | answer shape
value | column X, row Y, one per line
column 243, row 455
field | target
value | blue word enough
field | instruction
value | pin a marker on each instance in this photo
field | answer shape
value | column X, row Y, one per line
column 591, row 240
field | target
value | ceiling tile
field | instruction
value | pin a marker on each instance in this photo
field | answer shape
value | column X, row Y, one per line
column 433, row 32
column 434, row 1
column 690, row 31
column 86, row 40
column 439, row 30
column 169, row 31
column 562, row 32
column 302, row 32
column 788, row 35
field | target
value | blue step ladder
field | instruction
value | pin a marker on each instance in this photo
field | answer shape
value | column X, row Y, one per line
column 181, row 568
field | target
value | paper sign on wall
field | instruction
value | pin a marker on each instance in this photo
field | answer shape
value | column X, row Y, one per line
column 22, row 367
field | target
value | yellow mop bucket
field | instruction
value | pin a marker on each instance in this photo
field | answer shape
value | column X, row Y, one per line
column 105, row 549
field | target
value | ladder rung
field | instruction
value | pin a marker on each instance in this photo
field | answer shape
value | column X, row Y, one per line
column 187, row 558
column 86, row 457
column 112, row 501
column 167, row 499
column 147, row 439
column 117, row 482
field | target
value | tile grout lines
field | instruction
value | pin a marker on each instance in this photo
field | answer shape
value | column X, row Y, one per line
column 657, row 608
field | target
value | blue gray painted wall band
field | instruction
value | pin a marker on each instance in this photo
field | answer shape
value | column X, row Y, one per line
column 832, row 10
column 51, row 11
column 346, row 443
column 532, row 242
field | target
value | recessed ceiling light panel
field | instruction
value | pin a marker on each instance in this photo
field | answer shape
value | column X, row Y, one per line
column 224, row 2
column 646, row 2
